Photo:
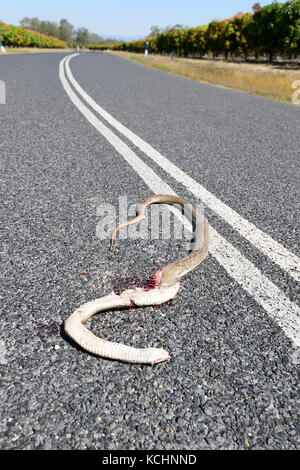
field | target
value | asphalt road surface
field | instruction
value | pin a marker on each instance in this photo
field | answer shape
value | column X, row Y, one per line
column 77, row 133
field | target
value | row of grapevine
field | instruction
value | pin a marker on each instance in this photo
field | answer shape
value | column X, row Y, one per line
column 17, row 36
column 270, row 30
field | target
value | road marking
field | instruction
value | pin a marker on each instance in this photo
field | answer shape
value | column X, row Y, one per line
column 3, row 352
column 287, row 260
column 269, row 296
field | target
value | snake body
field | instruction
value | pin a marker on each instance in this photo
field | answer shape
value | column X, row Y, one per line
column 165, row 285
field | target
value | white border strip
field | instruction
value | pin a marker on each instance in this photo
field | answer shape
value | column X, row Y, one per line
column 269, row 247
column 275, row 303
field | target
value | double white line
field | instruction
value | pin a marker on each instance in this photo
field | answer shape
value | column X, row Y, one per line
column 267, row 294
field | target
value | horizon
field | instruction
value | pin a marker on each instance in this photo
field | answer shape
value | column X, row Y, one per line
column 125, row 22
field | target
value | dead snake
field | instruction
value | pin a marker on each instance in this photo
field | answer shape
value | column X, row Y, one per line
column 165, row 286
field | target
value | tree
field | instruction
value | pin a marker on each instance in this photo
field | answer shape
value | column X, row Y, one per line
column 177, row 26
column 291, row 27
column 154, row 31
column 199, row 40
column 218, row 37
column 66, row 31
column 30, row 23
column 269, row 25
column 256, row 7
column 240, row 40
column 82, row 36
column 49, row 28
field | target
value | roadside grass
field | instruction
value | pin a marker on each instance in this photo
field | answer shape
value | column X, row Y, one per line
column 270, row 81
column 31, row 50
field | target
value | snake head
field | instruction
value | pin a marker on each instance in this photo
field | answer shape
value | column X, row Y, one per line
column 157, row 355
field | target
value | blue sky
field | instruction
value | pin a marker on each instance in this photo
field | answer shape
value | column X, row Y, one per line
column 124, row 17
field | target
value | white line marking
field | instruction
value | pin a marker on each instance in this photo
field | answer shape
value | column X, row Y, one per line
column 3, row 351
column 275, row 303
column 274, row 250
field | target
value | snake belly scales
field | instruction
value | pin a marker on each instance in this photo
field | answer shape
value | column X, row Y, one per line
column 165, row 286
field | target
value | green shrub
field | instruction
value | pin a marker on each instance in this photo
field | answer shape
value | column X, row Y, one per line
column 99, row 47
column 21, row 37
column 273, row 29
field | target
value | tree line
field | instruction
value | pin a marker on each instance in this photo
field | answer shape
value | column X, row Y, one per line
column 271, row 30
column 64, row 31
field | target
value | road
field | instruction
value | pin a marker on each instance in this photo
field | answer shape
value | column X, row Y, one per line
column 77, row 133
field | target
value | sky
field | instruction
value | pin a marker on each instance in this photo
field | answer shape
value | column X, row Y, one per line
column 125, row 18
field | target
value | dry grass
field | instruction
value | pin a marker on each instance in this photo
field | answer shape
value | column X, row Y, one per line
column 265, row 80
